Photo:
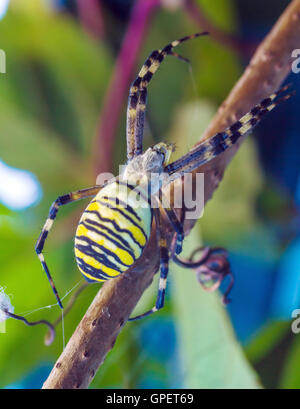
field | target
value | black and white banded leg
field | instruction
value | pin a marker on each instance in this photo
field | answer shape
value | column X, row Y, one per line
column 60, row 201
column 138, row 94
column 175, row 222
column 164, row 269
column 217, row 144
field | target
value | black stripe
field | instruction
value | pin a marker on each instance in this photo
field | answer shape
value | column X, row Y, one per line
column 116, row 243
column 154, row 55
column 103, row 249
column 237, row 125
column 147, row 77
column 109, row 231
column 62, row 200
column 262, row 113
column 160, row 299
column 220, row 148
column 266, row 101
column 137, row 82
column 116, row 226
column 143, row 96
column 87, row 250
column 253, row 122
column 133, row 100
column 141, row 192
column 255, row 110
column 41, row 241
column 235, row 136
column 45, row 267
column 124, row 215
column 164, row 256
column 218, row 139
column 167, row 48
column 53, row 211
column 94, row 272
column 125, row 205
column 186, row 159
column 160, row 57
column 174, row 220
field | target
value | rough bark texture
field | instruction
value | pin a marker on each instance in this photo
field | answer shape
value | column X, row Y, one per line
column 101, row 324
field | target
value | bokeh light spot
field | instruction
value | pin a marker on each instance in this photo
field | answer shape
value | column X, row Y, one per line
column 19, row 189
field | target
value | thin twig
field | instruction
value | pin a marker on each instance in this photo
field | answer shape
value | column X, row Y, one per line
column 96, row 333
column 51, row 333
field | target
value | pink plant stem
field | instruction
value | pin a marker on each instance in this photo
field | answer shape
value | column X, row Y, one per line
column 119, row 84
column 90, row 14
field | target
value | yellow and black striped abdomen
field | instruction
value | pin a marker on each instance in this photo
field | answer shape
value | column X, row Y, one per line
column 112, row 233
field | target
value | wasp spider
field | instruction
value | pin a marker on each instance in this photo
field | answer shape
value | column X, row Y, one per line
column 112, row 232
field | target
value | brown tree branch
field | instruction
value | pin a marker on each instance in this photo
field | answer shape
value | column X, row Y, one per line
column 96, row 333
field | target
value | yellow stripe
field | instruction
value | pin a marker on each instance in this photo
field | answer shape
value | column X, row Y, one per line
column 114, row 204
column 154, row 66
column 95, row 264
column 133, row 246
column 91, row 277
column 143, row 71
column 123, row 255
column 269, row 108
column 246, row 118
column 208, row 155
column 120, row 219
column 245, row 128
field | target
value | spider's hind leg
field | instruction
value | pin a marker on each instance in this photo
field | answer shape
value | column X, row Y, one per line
column 164, row 269
column 174, row 220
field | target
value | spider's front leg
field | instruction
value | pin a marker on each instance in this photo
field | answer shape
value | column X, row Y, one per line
column 220, row 142
column 60, row 201
column 138, row 95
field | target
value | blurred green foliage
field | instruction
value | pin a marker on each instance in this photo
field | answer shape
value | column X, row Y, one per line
column 49, row 106
column 210, row 352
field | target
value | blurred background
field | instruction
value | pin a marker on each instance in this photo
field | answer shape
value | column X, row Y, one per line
column 63, row 101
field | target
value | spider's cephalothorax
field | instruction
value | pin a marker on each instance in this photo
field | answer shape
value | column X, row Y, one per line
column 142, row 167
column 113, row 230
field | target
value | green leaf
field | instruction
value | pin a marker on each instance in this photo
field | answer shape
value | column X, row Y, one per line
column 266, row 340
column 290, row 378
column 211, row 356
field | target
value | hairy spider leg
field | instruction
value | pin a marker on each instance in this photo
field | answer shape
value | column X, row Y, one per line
column 173, row 219
column 164, row 252
column 60, row 201
column 217, row 144
column 164, row 268
column 138, row 95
